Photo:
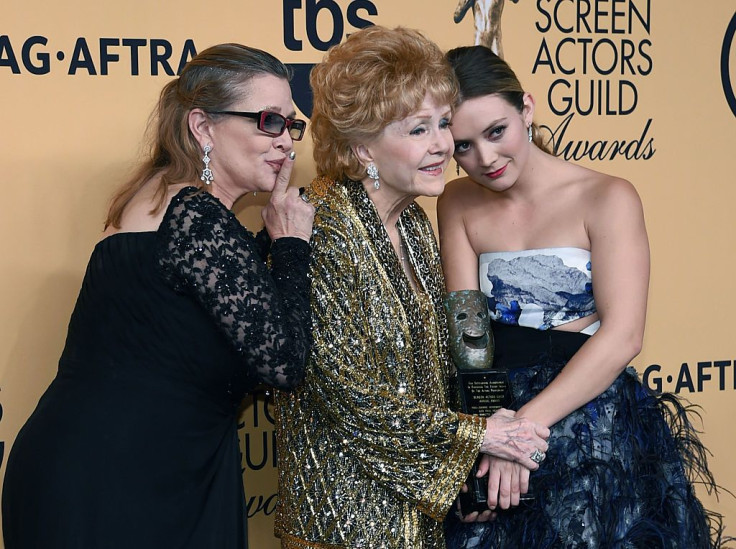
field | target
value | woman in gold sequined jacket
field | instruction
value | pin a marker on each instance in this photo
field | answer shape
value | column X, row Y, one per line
column 370, row 454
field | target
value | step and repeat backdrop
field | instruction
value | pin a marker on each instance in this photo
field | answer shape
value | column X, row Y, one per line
column 644, row 89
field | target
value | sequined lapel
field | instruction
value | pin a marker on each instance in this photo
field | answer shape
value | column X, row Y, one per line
column 423, row 311
column 380, row 240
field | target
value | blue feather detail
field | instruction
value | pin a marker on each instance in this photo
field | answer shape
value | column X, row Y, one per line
column 619, row 473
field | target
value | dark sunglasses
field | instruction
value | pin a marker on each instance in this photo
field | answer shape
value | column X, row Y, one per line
column 272, row 123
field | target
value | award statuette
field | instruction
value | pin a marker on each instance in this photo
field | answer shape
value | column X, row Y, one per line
column 481, row 389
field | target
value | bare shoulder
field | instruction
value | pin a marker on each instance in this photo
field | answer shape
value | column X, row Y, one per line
column 145, row 210
column 615, row 192
column 458, row 193
column 608, row 196
column 597, row 187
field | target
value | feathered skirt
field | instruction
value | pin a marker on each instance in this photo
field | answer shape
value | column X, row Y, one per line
column 619, row 470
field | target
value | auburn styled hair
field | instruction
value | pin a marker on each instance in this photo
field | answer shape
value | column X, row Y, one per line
column 377, row 76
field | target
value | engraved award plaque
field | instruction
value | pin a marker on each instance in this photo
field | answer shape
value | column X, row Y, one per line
column 481, row 389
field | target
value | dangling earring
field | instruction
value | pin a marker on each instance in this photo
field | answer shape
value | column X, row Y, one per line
column 457, row 168
column 373, row 174
column 207, row 176
column 530, row 133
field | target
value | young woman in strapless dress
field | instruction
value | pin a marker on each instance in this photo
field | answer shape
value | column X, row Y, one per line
column 561, row 253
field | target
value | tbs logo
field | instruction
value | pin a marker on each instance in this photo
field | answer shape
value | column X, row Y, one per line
column 312, row 10
column 300, row 21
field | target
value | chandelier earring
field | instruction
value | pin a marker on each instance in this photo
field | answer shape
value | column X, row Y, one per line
column 372, row 171
column 529, row 127
column 207, row 175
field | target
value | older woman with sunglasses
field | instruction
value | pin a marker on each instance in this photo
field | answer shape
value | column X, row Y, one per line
column 134, row 444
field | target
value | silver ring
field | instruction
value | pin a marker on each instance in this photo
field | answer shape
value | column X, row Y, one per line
column 537, row 456
column 304, row 198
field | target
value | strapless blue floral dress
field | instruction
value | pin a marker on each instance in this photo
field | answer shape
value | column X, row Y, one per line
column 620, row 470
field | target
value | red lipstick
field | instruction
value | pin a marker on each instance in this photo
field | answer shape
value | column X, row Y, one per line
column 498, row 173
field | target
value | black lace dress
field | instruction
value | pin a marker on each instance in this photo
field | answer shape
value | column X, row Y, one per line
column 134, row 444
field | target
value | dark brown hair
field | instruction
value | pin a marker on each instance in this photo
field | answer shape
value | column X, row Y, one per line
column 481, row 72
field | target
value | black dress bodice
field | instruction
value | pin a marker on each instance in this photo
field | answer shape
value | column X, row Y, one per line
column 134, row 444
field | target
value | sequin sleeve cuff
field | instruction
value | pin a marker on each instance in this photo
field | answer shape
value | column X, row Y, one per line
column 292, row 254
column 450, row 477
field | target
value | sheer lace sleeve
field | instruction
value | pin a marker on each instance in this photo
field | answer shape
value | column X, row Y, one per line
column 205, row 251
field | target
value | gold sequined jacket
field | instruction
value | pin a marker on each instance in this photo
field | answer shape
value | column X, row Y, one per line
column 370, row 455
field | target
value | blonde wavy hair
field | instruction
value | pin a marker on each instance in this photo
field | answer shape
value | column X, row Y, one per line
column 377, row 76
